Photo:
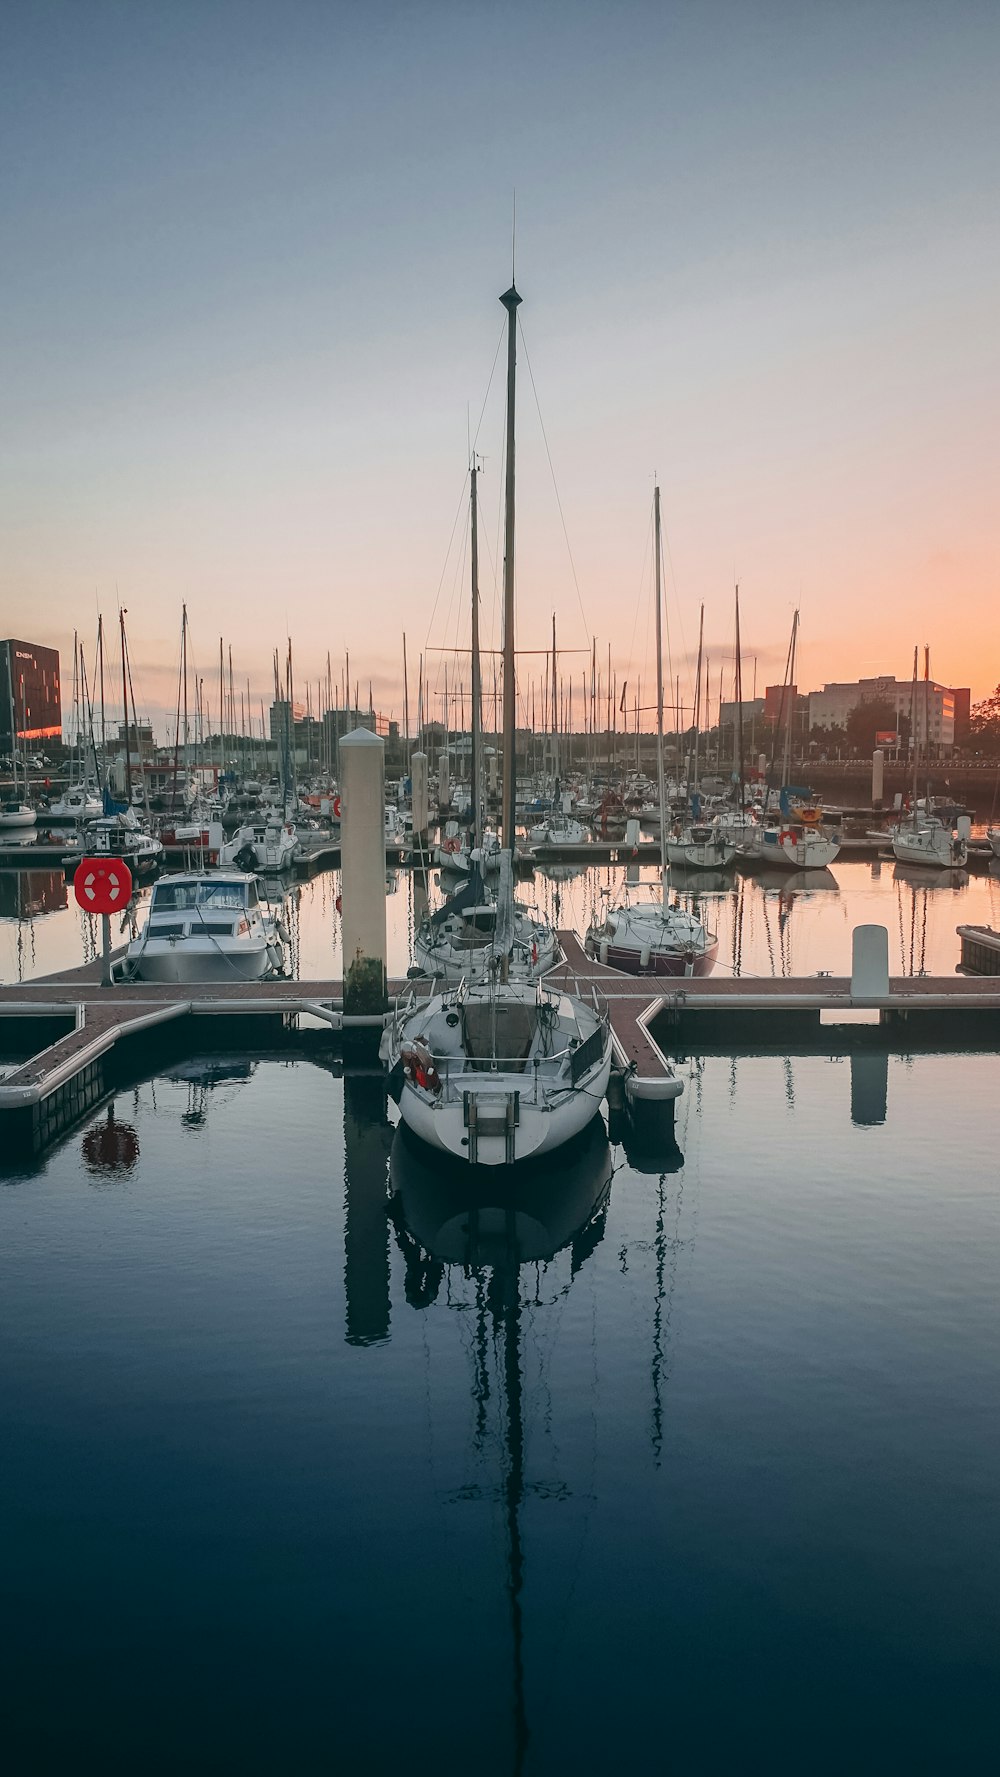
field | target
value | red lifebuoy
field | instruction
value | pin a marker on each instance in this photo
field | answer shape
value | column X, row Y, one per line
column 786, row 833
column 452, row 845
column 336, row 808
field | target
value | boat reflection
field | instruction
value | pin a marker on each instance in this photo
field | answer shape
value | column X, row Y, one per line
column 798, row 884
column 923, row 877
column 480, row 1238
column 27, row 894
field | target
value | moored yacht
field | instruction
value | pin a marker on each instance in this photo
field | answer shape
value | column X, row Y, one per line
column 206, row 928
column 652, row 939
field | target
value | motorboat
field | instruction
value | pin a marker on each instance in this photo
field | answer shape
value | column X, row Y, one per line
column 206, row 928
column 652, row 939
column 269, row 843
column 122, row 835
column 81, row 802
column 458, row 850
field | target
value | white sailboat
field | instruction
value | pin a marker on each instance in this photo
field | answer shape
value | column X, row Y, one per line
column 654, row 938
column 922, row 837
column 498, row 1071
column 697, row 844
column 791, row 842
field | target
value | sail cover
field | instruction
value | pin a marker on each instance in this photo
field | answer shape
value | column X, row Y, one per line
column 503, row 931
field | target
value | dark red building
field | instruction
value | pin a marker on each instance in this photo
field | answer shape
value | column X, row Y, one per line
column 29, row 680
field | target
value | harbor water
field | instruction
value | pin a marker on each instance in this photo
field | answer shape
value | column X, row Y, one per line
column 315, row 1462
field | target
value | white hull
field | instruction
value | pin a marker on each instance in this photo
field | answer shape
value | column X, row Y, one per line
column 12, row 820
column 713, row 854
column 931, row 846
column 198, row 959
column 807, row 851
column 498, row 1075
column 539, row 1131
column 994, row 838
column 534, row 953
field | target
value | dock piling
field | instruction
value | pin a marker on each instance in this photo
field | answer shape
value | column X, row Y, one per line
column 362, row 777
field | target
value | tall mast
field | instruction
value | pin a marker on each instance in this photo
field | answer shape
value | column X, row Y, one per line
column 739, row 702
column 476, row 759
column 406, row 710
column 696, row 712
column 511, row 302
column 128, row 754
column 660, row 779
column 555, row 710
column 104, row 726
column 786, row 764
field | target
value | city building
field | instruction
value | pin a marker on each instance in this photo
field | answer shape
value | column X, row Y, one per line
column 29, row 681
column 935, row 708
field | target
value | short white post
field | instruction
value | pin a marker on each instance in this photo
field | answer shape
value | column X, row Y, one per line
column 444, row 783
column 869, row 965
column 878, row 777
column 362, row 870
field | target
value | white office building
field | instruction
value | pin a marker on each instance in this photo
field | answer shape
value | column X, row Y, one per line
column 932, row 706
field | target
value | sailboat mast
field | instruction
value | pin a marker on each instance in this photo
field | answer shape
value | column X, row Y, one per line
column 555, row 709
column 790, row 718
column 696, row 712
column 128, row 753
column 511, row 301
column 660, row 778
column 740, row 764
column 476, row 758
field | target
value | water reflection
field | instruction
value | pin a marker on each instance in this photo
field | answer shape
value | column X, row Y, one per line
column 110, row 1149
column 487, row 1234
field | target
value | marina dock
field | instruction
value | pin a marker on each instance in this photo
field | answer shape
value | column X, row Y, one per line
column 70, row 1040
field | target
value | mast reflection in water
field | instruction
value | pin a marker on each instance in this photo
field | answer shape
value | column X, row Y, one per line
column 516, row 1219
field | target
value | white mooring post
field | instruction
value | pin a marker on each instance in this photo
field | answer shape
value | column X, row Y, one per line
column 869, row 965
column 362, row 871
column 878, row 777
column 444, row 783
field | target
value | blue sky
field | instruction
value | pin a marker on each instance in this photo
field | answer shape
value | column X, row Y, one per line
column 252, row 255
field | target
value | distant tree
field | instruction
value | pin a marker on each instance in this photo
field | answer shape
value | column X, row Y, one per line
column 830, row 738
column 984, row 720
column 868, row 719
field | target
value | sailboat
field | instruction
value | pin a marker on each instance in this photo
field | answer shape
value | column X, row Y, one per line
column 791, row 842
column 457, row 940
column 654, row 938
column 497, row 1071
column 922, row 837
column 16, row 811
column 697, row 844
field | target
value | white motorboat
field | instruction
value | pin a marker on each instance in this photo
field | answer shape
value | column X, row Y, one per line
column 270, row 844
column 653, row 939
column 122, row 836
column 15, row 814
column 81, row 802
column 498, row 1072
column 206, row 928
column 795, row 847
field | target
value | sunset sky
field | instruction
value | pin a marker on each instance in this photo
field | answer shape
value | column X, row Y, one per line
column 252, row 255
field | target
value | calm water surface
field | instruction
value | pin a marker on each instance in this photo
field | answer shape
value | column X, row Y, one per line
column 777, row 924
column 310, row 1465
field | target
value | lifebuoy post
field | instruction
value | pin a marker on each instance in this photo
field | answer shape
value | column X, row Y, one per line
column 418, row 774
column 362, row 874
